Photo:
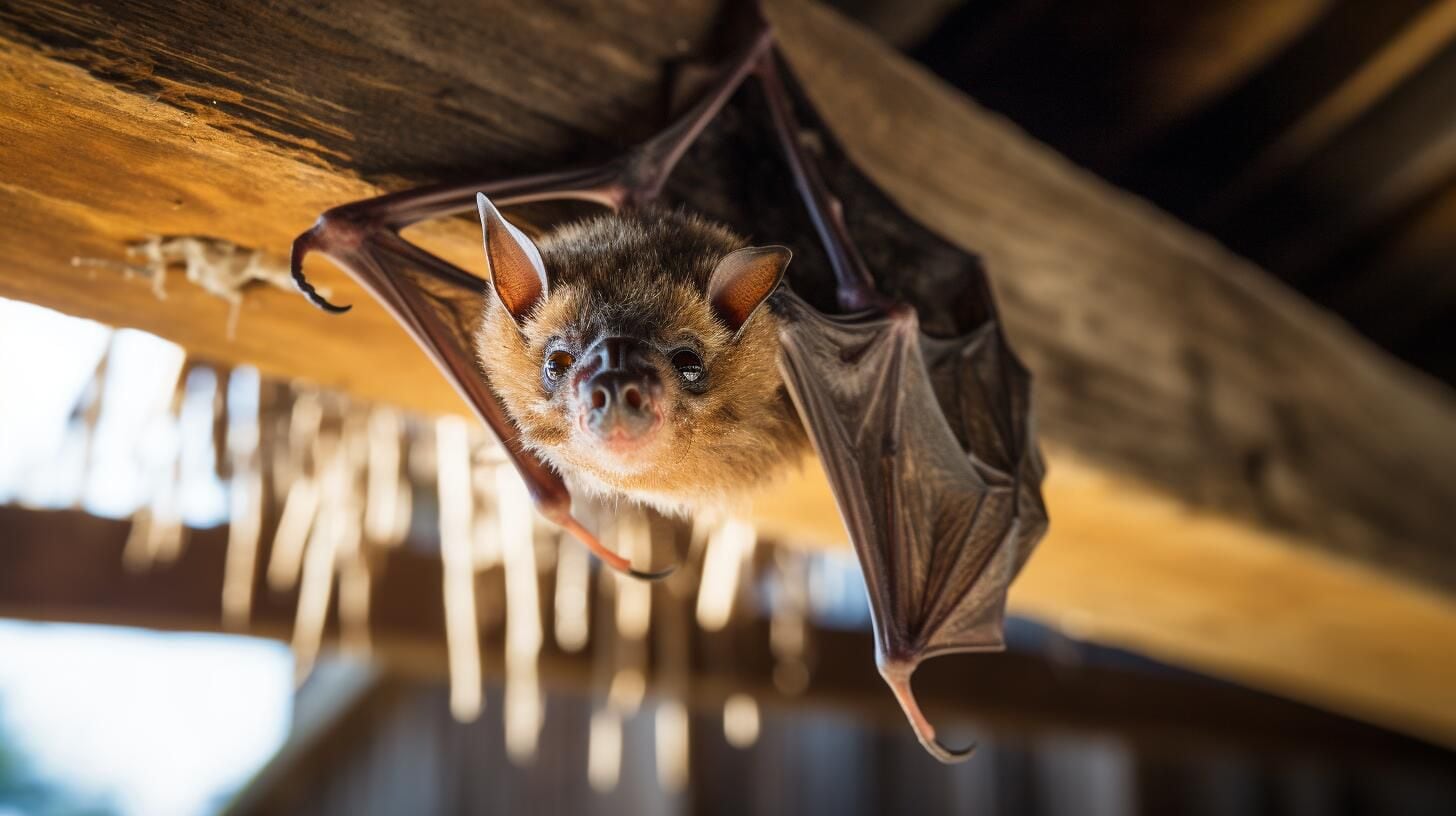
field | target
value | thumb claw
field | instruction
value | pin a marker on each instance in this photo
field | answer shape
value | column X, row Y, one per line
column 897, row 675
column 656, row 575
column 611, row 559
column 301, row 247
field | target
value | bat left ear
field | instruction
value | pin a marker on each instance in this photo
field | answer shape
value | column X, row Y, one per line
column 516, row 272
column 743, row 280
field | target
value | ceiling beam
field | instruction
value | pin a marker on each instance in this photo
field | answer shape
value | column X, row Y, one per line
column 1401, row 57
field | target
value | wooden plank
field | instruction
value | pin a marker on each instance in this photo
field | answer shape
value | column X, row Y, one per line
column 1191, row 166
column 1410, row 50
column 251, row 135
column 1407, row 278
column 1102, row 78
column 1248, row 404
column 901, row 23
column 1225, row 427
column 67, row 566
column 1366, row 180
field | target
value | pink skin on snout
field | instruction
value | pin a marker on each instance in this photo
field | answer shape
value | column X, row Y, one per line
column 617, row 440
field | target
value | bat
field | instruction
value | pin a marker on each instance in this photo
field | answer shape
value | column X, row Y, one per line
column 586, row 366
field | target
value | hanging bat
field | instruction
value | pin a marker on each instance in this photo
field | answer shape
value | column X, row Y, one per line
column 660, row 356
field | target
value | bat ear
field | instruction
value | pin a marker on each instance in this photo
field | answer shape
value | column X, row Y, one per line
column 743, row 280
column 516, row 272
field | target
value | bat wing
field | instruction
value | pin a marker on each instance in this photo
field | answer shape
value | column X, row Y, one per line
column 984, row 393
column 938, row 486
column 437, row 303
column 925, row 431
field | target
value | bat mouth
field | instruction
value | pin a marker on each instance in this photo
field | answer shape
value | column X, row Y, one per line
column 626, row 445
column 621, row 442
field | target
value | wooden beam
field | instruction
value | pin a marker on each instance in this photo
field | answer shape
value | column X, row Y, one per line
column 1209, row 433
column 1369, row 179
column 1212, row 444
column 1102, row 78
column 67, row 566
column 902, row 23
column 230, row 123
column 1409, row 51
column 1406, row 276
column 1190, row 167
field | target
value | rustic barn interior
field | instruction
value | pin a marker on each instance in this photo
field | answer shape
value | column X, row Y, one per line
column 255, row 559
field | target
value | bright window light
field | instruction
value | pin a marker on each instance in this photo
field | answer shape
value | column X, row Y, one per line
column 153, row 724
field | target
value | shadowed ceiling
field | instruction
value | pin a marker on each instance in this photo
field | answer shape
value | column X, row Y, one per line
column 1316, row 137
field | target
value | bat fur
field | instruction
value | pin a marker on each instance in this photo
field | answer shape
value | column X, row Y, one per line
column 645, row 274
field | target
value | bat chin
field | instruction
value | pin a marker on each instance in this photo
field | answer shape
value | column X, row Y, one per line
column 627, row 448
column 623, row 450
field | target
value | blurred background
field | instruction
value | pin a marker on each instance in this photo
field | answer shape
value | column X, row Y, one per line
column 134, row 476
column 225, row 590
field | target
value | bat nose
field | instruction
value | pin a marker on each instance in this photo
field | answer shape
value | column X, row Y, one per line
column 618, row 398
column 620, row 404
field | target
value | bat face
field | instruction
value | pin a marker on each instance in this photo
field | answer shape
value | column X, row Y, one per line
column 631, row 352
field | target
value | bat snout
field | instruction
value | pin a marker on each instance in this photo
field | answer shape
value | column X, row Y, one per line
column 620, row 400
column 620, row 406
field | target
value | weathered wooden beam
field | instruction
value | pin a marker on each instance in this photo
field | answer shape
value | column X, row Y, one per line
column 128, row 120
column 1103, row 78
column 1217, row 446
column 1413, row 286
column 67, row 566
column 901, row 23
column 1191, row 169
column 1364, row 175
column 1371, row 82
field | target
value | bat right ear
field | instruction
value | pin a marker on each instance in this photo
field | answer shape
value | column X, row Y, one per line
column 516, row 272
column 743, row 280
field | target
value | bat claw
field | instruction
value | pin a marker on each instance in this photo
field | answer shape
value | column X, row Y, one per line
column 319, row 300
column 611, row 559
column 301, row 247
column 948, row 756
column 313, row 296
column 656, row 575
column 897, row 675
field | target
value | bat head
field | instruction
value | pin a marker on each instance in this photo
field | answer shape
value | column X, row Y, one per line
column 632, row 352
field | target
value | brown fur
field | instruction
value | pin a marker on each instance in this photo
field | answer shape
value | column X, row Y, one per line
column 645, row 275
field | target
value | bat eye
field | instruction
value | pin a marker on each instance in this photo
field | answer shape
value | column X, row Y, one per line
column 557, row 364
column 689, row 365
